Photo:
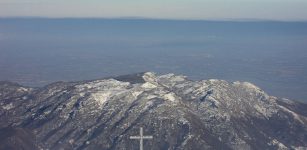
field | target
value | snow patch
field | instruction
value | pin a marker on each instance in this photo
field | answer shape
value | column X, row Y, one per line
column 22, row 89
column 151, row 96
column 213, row 81
column 173, row 78
column 187, row 138
column 8, row 106
column 102, row 97
column 150, row 77
column 287, row 101
column 265, row 110
column 137, row 93
column 148, row 85
column 295, row 115
column 170, row 96
column 81, row 94
column 248, row 85
column 148, row 104
column 183, row 120
column 299, row 148
column 261, row 110
column 280, row 145
column 103, row 85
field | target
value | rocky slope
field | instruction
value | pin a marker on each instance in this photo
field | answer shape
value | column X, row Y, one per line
column 177, row 112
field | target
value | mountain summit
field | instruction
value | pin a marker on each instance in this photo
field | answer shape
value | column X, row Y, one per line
column 177, row 112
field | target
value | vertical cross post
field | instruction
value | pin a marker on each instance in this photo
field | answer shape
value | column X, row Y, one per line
column 141, row 138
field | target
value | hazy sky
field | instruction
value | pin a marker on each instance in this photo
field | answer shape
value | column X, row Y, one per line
column 174, row 9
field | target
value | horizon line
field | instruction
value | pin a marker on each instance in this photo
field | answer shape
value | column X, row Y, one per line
column 152, row 18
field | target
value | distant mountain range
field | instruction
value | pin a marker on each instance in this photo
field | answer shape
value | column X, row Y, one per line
column 177, row 112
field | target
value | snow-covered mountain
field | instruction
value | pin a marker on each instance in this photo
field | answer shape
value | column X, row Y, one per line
column 177, row 112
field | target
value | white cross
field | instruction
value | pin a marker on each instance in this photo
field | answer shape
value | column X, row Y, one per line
column 141, row 138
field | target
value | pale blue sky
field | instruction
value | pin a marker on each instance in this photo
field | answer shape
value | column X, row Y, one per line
column 172, row 9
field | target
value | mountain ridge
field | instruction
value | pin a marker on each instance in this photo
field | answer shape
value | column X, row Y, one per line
column 178, row 112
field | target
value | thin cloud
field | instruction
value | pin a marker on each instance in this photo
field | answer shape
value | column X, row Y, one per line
column 21, row 2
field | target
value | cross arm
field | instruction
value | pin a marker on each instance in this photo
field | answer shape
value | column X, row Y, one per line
column 147, row 137
column 135, row 137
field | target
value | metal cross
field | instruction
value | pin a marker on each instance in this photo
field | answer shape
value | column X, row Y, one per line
column 141, row 138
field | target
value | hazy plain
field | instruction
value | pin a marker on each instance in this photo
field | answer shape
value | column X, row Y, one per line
column 273, row 55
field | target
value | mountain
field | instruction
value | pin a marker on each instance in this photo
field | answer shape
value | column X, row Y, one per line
column 179, row 113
